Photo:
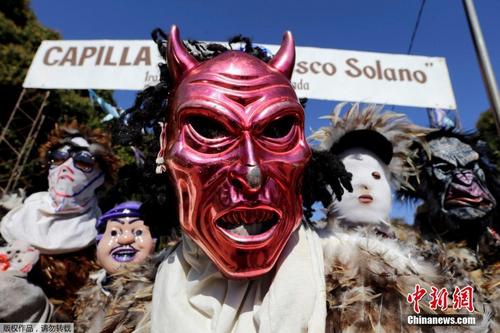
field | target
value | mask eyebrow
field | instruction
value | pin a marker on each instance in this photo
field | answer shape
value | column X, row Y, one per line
column 230, row 86
column 278, row 109
column 466, row 159
column 243, row 101
column 472, row 164
column 130, row 221
column 437, row 159
column 210, row 109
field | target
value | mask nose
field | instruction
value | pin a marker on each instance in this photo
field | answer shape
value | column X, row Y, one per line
column 247, row 175
column 254, row 176
column 465, row 177
column 363, row 186
column 247, row 178
column 126, row 238
column 364, row 189
column 66, row 167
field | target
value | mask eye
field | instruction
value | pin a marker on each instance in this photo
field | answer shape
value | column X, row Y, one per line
column 279, row 128
column 84, row 161
column 472, row 165
column 114, row 233
column 58, row 157
column 138, row 233
column 376, row 175
column 207, row 128
column 444, row 167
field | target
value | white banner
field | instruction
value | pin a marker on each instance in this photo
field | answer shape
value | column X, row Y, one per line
column 326, row 74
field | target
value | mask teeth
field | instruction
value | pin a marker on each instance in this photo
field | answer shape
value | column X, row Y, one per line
column 253, row 228
column 247, row 217
column 247, row 223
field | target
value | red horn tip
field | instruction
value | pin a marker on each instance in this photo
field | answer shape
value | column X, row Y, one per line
column 284, row 60
column 178, row 58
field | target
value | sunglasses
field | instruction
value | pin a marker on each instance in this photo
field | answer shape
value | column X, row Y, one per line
column 82, row 159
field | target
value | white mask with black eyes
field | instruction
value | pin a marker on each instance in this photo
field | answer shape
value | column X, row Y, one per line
column 371, row 198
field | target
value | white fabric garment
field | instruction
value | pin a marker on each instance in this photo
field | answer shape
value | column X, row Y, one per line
column 38, row 223
column 191, row 295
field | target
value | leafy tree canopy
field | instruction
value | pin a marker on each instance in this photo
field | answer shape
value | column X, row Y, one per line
column 20, row 36
column 488, row 131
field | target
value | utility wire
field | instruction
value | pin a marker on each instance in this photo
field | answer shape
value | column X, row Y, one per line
column 414, row 33
column 410, row 47
column 415, row 29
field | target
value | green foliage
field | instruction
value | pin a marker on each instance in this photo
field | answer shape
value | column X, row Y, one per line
column 125, row 154
column 17, row 11
column 9, row 32
column 14, row 64
column 488, row 132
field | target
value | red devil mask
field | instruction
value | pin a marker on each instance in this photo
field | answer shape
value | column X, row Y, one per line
column 236, row 151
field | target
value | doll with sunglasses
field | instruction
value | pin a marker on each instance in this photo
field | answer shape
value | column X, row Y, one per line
column 60, row 222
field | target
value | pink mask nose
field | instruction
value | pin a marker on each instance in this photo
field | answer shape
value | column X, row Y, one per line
column 465, row 177
column 248, row 175
column 248, row 179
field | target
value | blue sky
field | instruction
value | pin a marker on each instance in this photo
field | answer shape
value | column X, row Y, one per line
column 369, row 25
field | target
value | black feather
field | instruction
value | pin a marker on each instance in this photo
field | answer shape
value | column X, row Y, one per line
column 325, row 172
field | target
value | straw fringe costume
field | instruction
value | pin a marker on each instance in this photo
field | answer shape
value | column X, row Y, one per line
column 120, row 302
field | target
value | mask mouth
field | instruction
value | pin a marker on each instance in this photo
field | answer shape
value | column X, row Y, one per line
column 472, row 196
column 365, row 199
column 125, row 253
column 245, row 225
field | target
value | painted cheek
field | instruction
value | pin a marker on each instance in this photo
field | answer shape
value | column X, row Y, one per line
column 113, row 240
column 139, row 240
column 143, row 243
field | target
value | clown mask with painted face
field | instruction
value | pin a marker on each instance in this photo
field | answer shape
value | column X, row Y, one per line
column 236, row 151
column 123, row 238
column 74, row 175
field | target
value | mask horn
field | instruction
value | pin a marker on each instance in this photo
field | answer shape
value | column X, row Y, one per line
column 178, row 58
column 284, row 60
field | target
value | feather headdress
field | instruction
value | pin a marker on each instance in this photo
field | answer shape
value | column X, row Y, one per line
column 395, row 127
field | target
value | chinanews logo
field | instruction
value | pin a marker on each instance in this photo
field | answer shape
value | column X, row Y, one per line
column 449, row 304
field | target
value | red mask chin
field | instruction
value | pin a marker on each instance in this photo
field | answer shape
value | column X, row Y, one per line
column 237, row 153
